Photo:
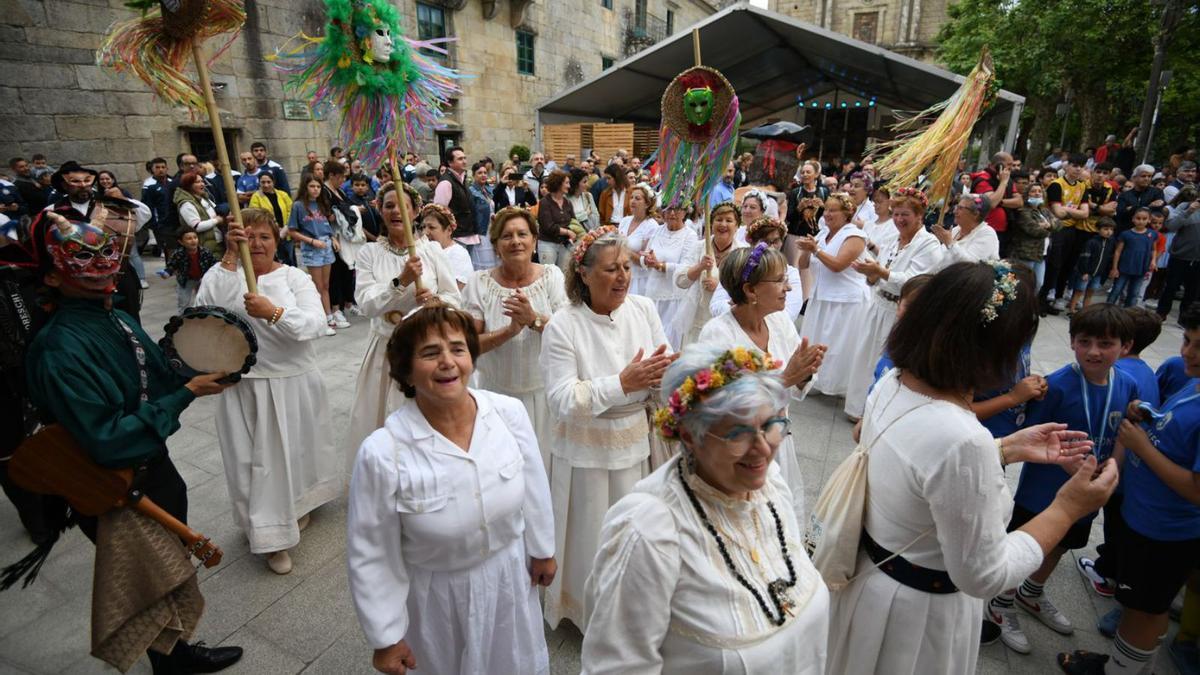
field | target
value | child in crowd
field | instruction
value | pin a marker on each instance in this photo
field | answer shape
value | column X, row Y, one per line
column 1093, row 262
column 188, row 263
column 1155, row 281
column 1160, row 523
column 1087, row 395
column 1171, row 376
column 438, row 224
column 1133, row 260
column 361, row 197
column 1100, row 572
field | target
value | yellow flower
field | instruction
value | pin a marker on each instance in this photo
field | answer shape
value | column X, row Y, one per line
column 740, row 356
column 688, row 387
column 718, row 380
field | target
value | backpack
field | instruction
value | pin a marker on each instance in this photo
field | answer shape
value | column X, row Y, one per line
column 836, row 524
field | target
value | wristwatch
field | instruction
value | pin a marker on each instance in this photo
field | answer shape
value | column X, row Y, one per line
column 539, row 323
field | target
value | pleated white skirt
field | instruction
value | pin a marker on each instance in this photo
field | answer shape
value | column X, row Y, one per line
column 837, row 325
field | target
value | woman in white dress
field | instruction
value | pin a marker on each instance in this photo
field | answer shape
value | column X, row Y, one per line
column 438, row 225
column 661, row 252
column 643, row 211
column 914, row 252
column 386, row 290
column 756, row 281
column 512, row 304
column 724, row 218
column 861, row 189
column 935, row 483
column 701, row 568
column 772, row 231
column 753, row 206
column 882, row 233
column 449, row 529
column 601, row 355
column 835, row 306
column 274, row 428
column 971, row 240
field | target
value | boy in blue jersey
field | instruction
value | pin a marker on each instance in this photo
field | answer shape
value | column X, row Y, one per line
column 1088, row 395
column 1099, row 572
column 1171, row 376
column 1160, row 518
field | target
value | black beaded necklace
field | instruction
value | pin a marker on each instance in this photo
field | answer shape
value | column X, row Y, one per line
column 777, row 589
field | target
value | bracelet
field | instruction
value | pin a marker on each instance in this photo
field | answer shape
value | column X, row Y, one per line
column 1000, row 448
column 275, row 316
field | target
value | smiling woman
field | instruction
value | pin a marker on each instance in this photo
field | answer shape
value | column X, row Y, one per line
column 702, row 566
column 439, row 579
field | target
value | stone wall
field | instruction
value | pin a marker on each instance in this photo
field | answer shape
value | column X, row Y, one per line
column 894, row 29
column 59, row 103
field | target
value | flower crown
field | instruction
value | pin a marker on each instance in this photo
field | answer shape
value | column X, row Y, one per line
column 913, row 194
column 761, row 196
column 762, row 222
column 728, row 367
column 586, row 241
column 1004, row 290
column 726, row 206
column 844, row 200
column 755, row 258
column 432, row 208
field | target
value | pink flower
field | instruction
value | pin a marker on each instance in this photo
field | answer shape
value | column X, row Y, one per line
column 703, row 380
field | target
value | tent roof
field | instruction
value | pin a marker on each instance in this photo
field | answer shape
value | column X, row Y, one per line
column 771, row 60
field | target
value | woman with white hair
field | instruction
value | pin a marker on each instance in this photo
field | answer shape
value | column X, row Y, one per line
column 971, row 240
column 601, row 356
column 701, row 568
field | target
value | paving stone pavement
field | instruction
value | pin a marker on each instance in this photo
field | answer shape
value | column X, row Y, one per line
column 304, row 621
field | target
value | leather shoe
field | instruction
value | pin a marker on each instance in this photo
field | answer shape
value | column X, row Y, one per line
column 200, row 659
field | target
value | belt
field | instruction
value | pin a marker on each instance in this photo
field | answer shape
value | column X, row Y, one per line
column 888, row 296
column 623, row 410
column 913, row 576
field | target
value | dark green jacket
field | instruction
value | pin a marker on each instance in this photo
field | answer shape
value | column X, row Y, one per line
column 1028, row 239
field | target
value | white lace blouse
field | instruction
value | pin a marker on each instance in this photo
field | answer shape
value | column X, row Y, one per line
column 513, row 366
column 377, row 265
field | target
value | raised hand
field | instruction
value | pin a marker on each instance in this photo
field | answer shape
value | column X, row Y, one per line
column 803, row 363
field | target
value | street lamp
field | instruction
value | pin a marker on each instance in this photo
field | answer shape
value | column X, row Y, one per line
column 1164, row 79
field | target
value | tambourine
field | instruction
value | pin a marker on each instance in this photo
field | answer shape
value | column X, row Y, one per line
column 210, row 339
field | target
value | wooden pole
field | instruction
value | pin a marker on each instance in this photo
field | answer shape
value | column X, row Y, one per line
column 402, row 200
column 708, row 236
column 214, row 122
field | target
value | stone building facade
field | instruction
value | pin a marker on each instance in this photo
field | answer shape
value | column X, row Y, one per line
column 908, row 27
column 517, row 53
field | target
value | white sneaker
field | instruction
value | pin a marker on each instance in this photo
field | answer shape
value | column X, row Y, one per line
column 144, row 284
column 1043, row 610
column 339, row 320
column 1060, row 304
column 356, row 311
column 329, row 331
column 1010, row 629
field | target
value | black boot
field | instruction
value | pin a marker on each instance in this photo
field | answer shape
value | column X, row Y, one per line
column 200, row 659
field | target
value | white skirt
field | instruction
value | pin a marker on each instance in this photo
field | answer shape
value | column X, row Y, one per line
column 280, row 463
column 484, row 619
column 789, row 470
column 581, row 498
column 835, row 325
column 375, row 397
column 676, row 319
column 483, row 256
column 876, row 324
column 878, row 625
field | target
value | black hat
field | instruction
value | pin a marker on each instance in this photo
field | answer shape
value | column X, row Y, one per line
column 57, row 180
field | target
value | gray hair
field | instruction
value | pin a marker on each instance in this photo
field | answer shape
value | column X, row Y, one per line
column 1143, row 168
column 1187, row 165
column 577, row 291
column 740, row 399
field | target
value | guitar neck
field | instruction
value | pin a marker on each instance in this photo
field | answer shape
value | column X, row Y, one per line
column 156, row 512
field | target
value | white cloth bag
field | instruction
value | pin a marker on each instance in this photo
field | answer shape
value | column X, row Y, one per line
column 836, row 524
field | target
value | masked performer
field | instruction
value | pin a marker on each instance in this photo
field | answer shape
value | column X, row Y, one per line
column 96, row 372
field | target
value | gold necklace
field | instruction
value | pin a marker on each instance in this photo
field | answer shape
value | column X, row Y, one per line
column 752, row 548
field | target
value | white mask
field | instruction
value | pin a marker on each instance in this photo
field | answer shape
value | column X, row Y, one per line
column 381, row 45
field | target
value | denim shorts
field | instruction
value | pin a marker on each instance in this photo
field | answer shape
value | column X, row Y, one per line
column 317, row 257
column 1092, row 284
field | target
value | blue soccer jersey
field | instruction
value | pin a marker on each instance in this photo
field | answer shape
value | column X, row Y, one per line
column 1143, row 374
column 1009, row 420
column 1151, row 508
column 1172, row 376
column 1082, row 406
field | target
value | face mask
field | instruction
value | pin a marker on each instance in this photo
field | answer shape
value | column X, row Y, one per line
column 1035, row 201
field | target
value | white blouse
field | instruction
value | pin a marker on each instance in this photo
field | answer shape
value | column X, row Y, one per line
column 923, row 254
column 599, row 426
column 936, row 469
column 460, row 262
column 865, row 213
column 782, row 340
column 661, row 599
column 513, row 366
column 882, row 234
column 418, row 500
column 376, row 267
column 847, row 285
column 285, row 348
column 675, row 248
column 981, row 244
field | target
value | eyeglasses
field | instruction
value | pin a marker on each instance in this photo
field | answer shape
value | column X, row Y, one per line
column 741, row 438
